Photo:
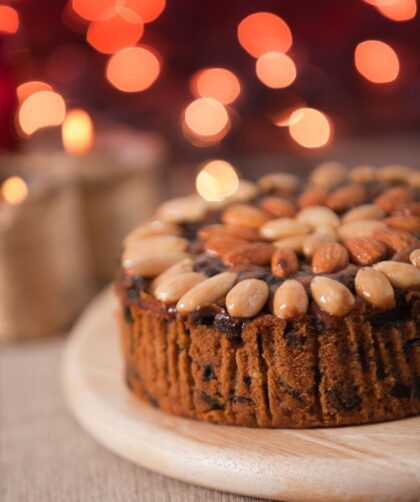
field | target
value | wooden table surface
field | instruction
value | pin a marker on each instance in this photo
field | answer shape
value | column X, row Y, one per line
column 46, row 457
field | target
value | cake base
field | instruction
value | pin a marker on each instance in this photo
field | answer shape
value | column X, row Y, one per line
column 380, row 462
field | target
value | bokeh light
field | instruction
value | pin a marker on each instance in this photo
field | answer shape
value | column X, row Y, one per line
column 92, row 10
column 376, row 61
column 42, row 109
column 206, row 117
column 148, row 10
column 77, row 132
column 15, row 190
column 397, row 10
column 25, row 90
column 115, row 33
column 276, row 70
column 133, row 69
column 217, row 180
column 264, row 32
column 216, row 83
column 9, row 20
column 310, row 128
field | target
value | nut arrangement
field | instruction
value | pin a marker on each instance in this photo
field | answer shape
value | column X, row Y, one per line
column 276, row 244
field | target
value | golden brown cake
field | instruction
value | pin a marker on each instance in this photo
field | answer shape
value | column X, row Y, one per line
column 290, row 304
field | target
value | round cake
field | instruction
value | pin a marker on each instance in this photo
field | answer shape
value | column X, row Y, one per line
column 291, row 303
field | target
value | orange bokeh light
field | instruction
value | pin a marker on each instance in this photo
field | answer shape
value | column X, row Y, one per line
column 123, row 29
column 24, row 90
column 148, row 10
column 42, row 109
column 77, row 132
column 217, row 180
column 398, row 10
column 133, row 69
column 206, row 117
column 92, row 10
column 276, row 70
column 310, row 128
column 264, row 32
column 376, row 61
column 9, row 20
column 216, row 83
column 14, row 190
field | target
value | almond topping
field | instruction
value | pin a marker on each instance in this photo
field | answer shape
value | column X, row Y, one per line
column 281, row 182
column 374, row 287
column 312, row 196
column 151, row 228
column 284, row 262
column 359, row 228
column 283, row 227
column 253, row 253
column 219, row 246
column 314, row 241
column 364, row 212
column 414, row 179
column 247, row 298
column 410, row 209
column 290, row 301
column 329, row 174
column 332, row 296
column 363, row 174
column 346, row 197
column 401, row 275
column 393, row 198
column 208, row 291
column 237, row 231
column 245, row 215
column 191, row 208
column 415, row 258
column 394, row 173
column 278, row 207
column 394, row 240
column 151, row 266
column 181, row 267
column 318, row 216
column 365, row 250
column 295, row 242
column 329, row 258
column 406, row 223
column 172, row 288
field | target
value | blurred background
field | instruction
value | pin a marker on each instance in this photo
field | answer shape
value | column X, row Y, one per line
column 109, row 106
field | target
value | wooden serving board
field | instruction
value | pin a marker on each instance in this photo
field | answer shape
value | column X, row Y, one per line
column 373, row 462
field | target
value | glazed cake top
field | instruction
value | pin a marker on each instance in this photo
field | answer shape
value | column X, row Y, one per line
column 284, row 243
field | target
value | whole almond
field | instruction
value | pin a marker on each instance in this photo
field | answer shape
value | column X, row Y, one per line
column 253, row 253
column 329, row 174
column 295, row 243
column 394, row 173
column 364, row 212
column 244, row 215
column 318, row 216
column 410, row 209
column 219, row 246
column 365, row 250
column 401, row 275
column 375, row 288
column 415, row 258
column 283, row 227
column 247, row 190
column 181, row 267
column 315, row 240
column 278, row 207
column 346, row 197
column 414, row 179
column 406, row 223
column 151, row 246
column 182, row 209
column 281, row 182
column 332, row 296
column 208, row 291
column 151, row 266
column 247, row 298
column 152, row 228
column 171, row 289
column 359, row 228
column 237, row 231
column 329, row 258
column 290, row 301
column 312, row 196
column 394, row 240
column 363, row 174
column 284, row 262
column 393, row 198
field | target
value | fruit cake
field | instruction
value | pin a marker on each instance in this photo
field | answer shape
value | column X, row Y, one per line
column 292, row 303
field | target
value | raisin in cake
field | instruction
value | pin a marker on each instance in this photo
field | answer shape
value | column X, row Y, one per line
column 291, row 303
